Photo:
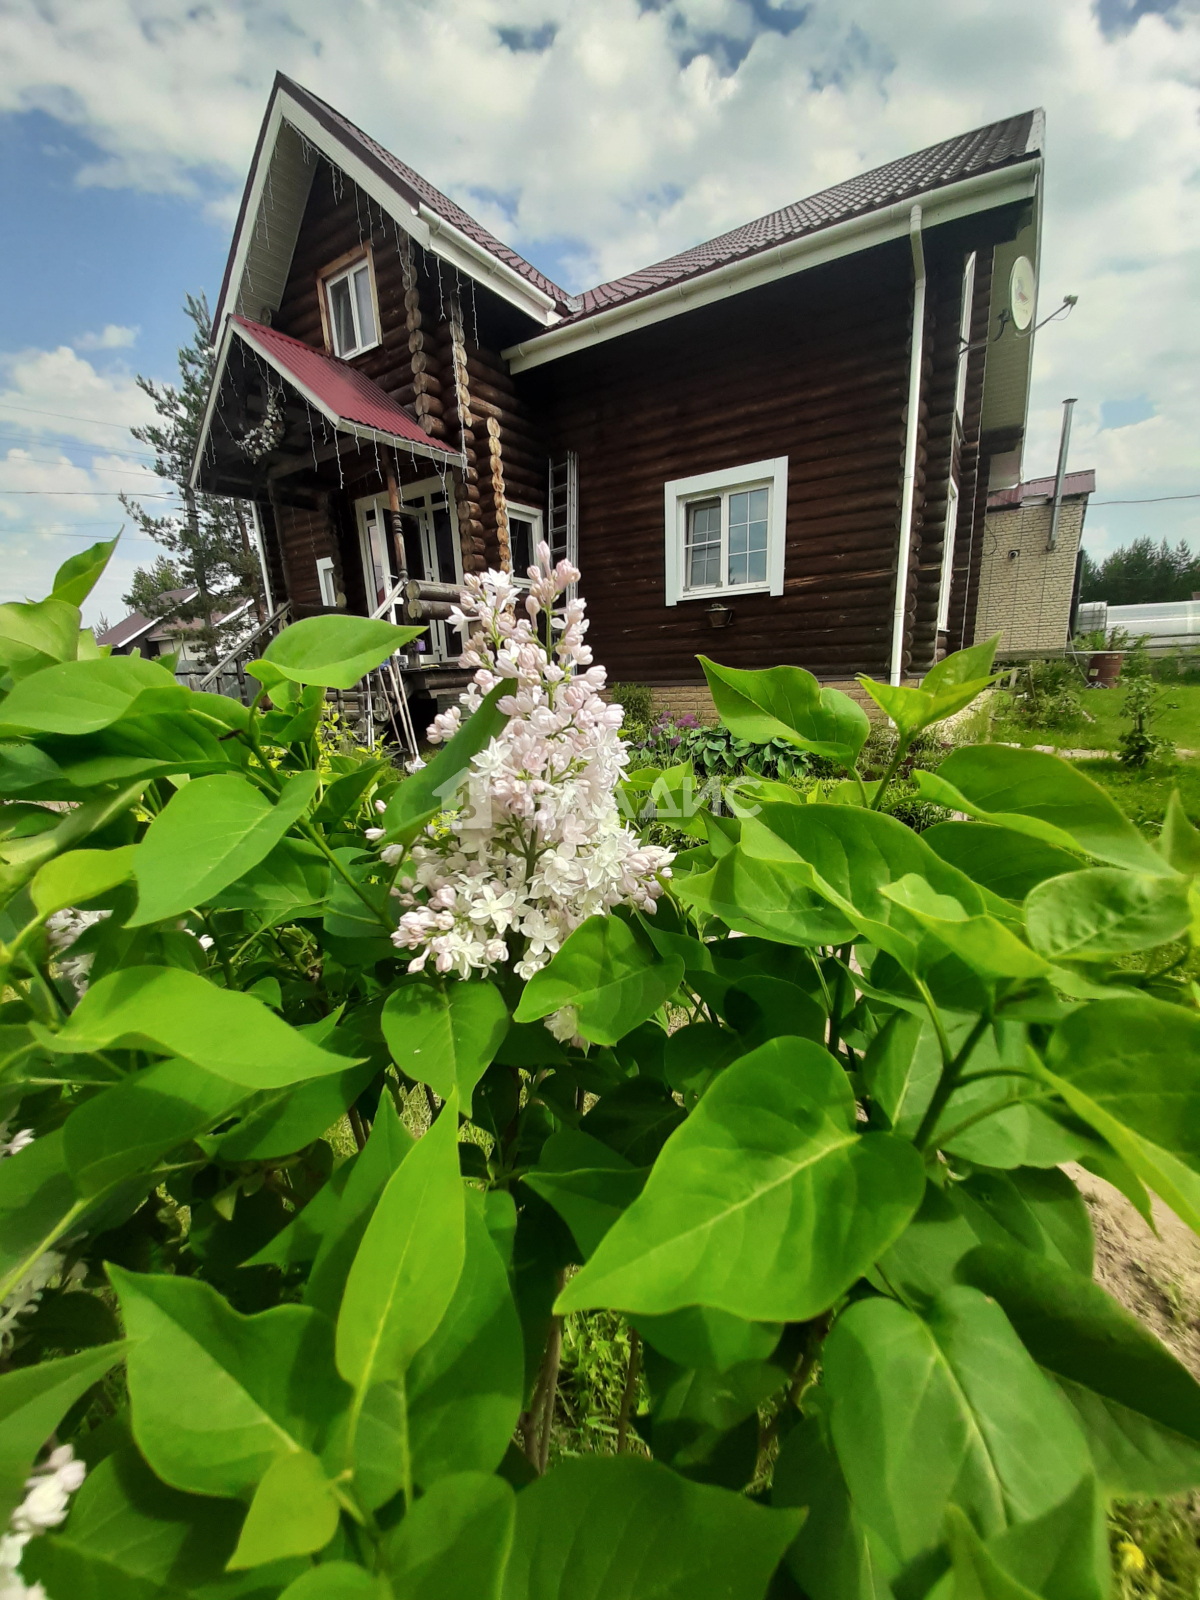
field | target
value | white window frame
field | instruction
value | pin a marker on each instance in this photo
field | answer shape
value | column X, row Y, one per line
column 681, row 493
column 421, row 498
column 337, row 273
column 964, row 337
column 325, row 581
column 527, row 514
column 943, row 610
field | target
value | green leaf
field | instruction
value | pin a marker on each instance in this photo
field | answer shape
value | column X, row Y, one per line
column 945, row 1409
column 1131, row 1070
column 435, row 786
column 78, row 697
column 37, row 635
column 294, row 1512
column 128, row 1127
column 341, row 797
column 1042, row 796
column 588, row 1184
column 335, row 652
column 1009, row 864
column 445, row 1037
column 618, row 1528
column 408, row 1263
column 212, row 831
column 130, row 1537
column 80, row 574
column 179, row 1013
column 388, row 1145
column 1138, row 1406
column 214, row 1394
column 699, row 1337
column 33, row 1401
column 961, row 667
column 299, row 1242
column 771, row 899
column 453, row 1544
column 1105, row 911
column 288, row 1119
column 78, row 876
column 743, row 1210
column 37, row 1200
column 1179, row 841
column 338, row 1580
column 1062, row 1555
column 788, row 703
column 291, row 878
column 761, row 1008
column 635, row 1119
column 613, row 978
column 465, row 1384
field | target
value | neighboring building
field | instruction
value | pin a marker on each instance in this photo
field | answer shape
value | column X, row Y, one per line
column 153, row 637
column 1169, row 627
column 1026, row 589
column 721, row 439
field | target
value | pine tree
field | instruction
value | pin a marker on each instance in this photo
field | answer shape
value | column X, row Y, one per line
column 208, row 539
column 1142, row 573
column 151, row 583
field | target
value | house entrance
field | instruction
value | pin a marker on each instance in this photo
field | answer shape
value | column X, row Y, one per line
column 422, row 542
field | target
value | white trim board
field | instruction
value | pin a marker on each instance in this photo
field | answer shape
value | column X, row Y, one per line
column 946, row 204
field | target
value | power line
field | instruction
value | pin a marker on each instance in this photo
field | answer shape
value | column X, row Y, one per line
column 97, row 494
column 68, row 416
column 1151, row 500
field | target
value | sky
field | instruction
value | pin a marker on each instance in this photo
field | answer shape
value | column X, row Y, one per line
column 595, row 136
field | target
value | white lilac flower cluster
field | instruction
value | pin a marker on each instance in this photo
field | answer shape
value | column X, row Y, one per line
column 48, row 1493
column 62, row 929
column 538, row 845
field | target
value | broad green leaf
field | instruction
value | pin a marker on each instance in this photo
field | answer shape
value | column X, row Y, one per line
column 1009, row 864
column 33, row 1401
column 700, row 1337
column 704, row 1423
column 1131, row 1070
column 335, row 652
column 445, row 1037
column 1103, row 912
column 35, row 636
column 338, row 1580
column 1077, row 1572
column 37, row 1202
column 301, row 1239
column 914, row 709
column 388, row 1145
column 613, row 979
column 78, row 876
column 22, row 857
column 128, row 1127
column 945, row 1409
column 635, row 1119
column 79, row 574
column 409, row 1262
column 835, row 1556
column 788, row 703
column 435, row 786
column 286, row 1120
column 341, row 797
column 289, row 879
column 619, row 1528
column 130, row 1537
column 465, row 1384
column 961, row 667
column 762, row 1008
column 982, row 943
column 1041, row 795
column 453, row 1544
column 766, row 1203
column 1138, row 1406
column 212, row 831
column 179, row 1013
column 78, row 697
column 1179, row 841
column 294, row 1512
column 773, row 900
column 214, row 1394
column 588, row 1183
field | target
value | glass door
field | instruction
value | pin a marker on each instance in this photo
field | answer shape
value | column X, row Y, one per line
column 424, row 545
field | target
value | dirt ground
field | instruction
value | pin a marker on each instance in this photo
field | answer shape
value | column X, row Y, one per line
column 1158, row 1279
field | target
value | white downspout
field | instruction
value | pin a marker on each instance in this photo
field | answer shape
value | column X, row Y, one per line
column 910, row 440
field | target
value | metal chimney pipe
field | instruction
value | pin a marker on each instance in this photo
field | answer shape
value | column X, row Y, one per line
column 1064, row 444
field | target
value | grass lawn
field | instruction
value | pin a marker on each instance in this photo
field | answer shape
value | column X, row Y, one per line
column 1179, row 722
column 1143, row 795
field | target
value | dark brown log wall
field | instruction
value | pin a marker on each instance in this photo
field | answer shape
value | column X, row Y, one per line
column 972, row 470
column 815, row 368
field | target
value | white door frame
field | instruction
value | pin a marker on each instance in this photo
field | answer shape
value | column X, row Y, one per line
column 420, row 499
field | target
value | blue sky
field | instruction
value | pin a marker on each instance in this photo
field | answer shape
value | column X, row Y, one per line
column 595, row 135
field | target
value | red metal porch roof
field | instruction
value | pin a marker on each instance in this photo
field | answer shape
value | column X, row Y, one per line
column 334, row 386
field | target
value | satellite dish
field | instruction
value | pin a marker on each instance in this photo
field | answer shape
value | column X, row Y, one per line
column 1022, row 290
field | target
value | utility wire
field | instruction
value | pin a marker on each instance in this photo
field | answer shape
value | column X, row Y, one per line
column 68, row 416
column 1151, row 500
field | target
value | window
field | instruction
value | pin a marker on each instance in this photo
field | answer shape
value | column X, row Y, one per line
column 421, row 542
column 725, row 532
column 943, row 611
column 350, row 315
column 524, row 536
column 326, row 583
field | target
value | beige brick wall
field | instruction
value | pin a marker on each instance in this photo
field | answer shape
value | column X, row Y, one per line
column 1026, row 596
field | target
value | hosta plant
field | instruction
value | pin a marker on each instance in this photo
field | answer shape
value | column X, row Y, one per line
column 330, row 1093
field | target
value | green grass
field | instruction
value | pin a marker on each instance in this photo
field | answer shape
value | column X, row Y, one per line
column 1143, row 795
column 1156, row 1549
column 1179, row 722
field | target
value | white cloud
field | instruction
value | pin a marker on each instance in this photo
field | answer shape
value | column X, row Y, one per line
column 111, row 337
column 640, row 129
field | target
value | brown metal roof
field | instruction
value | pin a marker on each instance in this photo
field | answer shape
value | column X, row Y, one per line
column 999, row 144
column 1023, row 494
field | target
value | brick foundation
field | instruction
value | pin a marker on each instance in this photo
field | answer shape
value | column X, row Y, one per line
column 695, row 699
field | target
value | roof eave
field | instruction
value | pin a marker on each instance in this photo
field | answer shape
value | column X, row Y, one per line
column 982, row 192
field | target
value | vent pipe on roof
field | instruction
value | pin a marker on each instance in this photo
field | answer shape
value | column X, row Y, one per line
column 910, row 441
column 1064, row 444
